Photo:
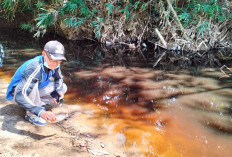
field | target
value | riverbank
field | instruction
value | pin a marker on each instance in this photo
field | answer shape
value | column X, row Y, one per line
column 65, row 138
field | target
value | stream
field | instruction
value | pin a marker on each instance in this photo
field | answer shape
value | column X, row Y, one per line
column 168, row 112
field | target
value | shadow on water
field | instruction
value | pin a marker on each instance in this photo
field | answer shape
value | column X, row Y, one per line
column 176, row 104
column 153, row 112
column 140, row 92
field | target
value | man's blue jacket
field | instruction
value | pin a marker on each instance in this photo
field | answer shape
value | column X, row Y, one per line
column 26, row 76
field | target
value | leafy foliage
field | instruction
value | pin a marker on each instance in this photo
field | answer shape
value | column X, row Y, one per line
column 94, row 14
column 73, row 21
column 203, row 27
column 202, row 13
column 45, row 19
column 97, row 27
column 72, row 13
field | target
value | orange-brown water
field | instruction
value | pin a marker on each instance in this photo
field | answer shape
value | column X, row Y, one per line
column 154, row 113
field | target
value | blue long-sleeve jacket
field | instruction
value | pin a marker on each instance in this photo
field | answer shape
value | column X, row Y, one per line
column 26, row 76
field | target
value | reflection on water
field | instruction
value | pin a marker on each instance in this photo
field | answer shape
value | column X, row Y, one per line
column 151, row 112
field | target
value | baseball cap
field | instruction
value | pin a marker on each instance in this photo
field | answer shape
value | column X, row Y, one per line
column 55, row 49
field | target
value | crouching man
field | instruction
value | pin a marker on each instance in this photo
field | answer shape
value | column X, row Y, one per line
column 39, row 82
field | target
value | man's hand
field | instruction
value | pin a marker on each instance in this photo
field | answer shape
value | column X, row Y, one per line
column 48, row 116
column 61, row 97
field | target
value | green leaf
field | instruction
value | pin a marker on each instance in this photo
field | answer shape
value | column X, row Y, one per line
column 39, row 4
column 185, row 17
column 136, row 4
column 81, row 21
column 45, row 19
column 198, row 7
column 68, row 21
column 143, row 7
column 37, row 34
column 94, row 22
column 109, row 8
column 41, row 16
column 221, row 17
column 94, row 11
column 122, row 10
column 73, row 21
column 128, row 15
column 26, row 26
column 98, row 34
column 203, row 27
column 207, row 8
column 43, row 9
column 101, row 20
column 7, row 4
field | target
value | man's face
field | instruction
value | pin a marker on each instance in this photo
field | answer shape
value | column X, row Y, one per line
column 51, row 63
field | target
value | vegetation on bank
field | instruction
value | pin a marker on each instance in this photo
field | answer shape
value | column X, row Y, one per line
column 191, row 24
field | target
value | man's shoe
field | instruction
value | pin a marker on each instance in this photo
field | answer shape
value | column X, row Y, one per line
column 36, row 120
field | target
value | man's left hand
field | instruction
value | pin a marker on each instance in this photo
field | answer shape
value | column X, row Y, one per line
column 61, row 97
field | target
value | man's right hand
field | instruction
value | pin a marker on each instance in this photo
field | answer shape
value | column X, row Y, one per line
column 48, row 116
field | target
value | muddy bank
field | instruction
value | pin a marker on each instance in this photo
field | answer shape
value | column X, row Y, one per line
column 65, row 138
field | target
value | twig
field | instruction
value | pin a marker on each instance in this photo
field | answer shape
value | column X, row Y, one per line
column 199, row 46
column 141, row 35
column 161, row 37
column 163, row 54
column 224, row 66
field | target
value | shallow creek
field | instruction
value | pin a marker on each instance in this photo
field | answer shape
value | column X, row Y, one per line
column 152, row 112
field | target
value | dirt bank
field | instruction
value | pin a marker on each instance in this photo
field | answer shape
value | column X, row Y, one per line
column 77, row 135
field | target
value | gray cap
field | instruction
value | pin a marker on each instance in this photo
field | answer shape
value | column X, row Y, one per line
column 55, row 49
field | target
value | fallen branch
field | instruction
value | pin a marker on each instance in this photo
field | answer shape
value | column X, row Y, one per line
column 161, row 38
column 165, row 45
